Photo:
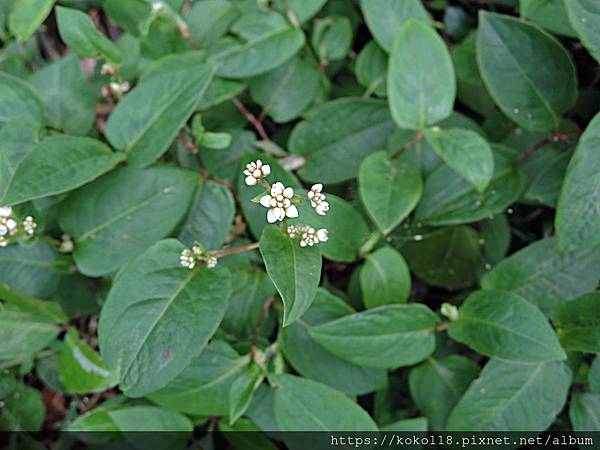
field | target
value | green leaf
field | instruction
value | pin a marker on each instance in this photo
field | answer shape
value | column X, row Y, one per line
column 59, row 164
column 532, row 84
column 295, row 271
column 449, row 199
column 79, row 33
column 24, row 334
column 578, row 215
column 545, row 277
column 332, row 38
column 503, row 325
column 69, row 98
column 336, row 136
column 81, row 369
column 27, row 16
column 550, row 14
column 384, row 278
column 23, row 410
column 578, row 323
column 135, row 16
column 371, row 69
column 584, row 16
column 267, row 41
column 305, row 9
column 210, row 19
column 418, row 424
column 594, row 375
column 139, row 206
column 510, row 396
column 584, row 411
column 389, row 189
column 385, row 17
column 446, row 258
column 158, row 316
column 203, row 387
column 464, row 151
column 386, row 337
column 421, row 81
column 436, row 386
column 147, row 120
column 286, row 91
column 16, row 300
column 210, row 217
column 312, row 361
column 242, row 390
column 18, row 101
column 302, row 405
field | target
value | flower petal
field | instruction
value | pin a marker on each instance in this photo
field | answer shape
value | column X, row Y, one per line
column 288, row 192
column 271, row 216
column 250, row 180
column 265, row 200
column 292, row 211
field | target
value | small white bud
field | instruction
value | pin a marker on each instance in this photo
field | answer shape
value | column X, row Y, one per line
column 450, row 311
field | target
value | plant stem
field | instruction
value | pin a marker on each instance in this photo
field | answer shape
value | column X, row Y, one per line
column 554, row 137
column 250, row 118
column 418, row 137
column 234, row 250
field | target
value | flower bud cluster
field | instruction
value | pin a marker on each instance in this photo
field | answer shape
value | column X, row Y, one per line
column 189, row 258
column 306, row 234
column 11, row 229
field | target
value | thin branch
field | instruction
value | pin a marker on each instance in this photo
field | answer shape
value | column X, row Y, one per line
column 554, row 137
column 250, row 118
column 234, row 250
column 418, row 137
column 261, row 317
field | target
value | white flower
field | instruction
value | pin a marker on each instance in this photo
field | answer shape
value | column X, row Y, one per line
column 5, row 212
column 310, row 236
column 255, row 171
column 29, row 225
column 317, row 199
column 211, row 262
column 187, row 259
column 157, row 6
column 279, row 203
column 3, row 242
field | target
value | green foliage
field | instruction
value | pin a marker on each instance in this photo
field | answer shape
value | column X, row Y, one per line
column 250, row 216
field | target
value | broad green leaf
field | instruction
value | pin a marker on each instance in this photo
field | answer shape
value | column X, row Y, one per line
column 59, row 164
column 446, row 258
column 418, row 424
column 496, row 234
column 242, row 391
column 332, row 38
column 578, row 323
column 286, row 91
column 336, row 136
column 436, row 386
column 119, row 216
column 545, row 277
column 347, row 227
column 594, row 375
column 27, row 16
column 312, row 361
column 81, row 369
column 19, row 101
column 30, row 270
column 584, row 411
column 23, row 410
column 384, row 278
column 19, row 301
column 266, row 41
column 17, row 139
column 295, row 271
column 464, row 151
column 389, row 189
column 302, row 405
column 449, row 199
column 510, row 396
column 210, row 217
column 503, row 325
column 578, row 215
column 79, row 33
column 70, row 100
column 584, row 16
column 421, row 82
column 371, row 69
column 147, row 120
column 245, row 434
column 550, row 14
column 158, row 316
column 545, row 172
column 24, row 334
column 220, row 90
column 532, row 84
column 385, row 17
column 386, row 337
column 304, row 9
column 203, row 387
column 210, row 19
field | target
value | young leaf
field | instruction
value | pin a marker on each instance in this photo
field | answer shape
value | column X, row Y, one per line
column 139, row 206
column 59, row 164
column 384, row 278
column 578, row 215
column 503, row 325
column 302, row 405
column 510, row 396
column 578, row 323
column 532, row 84
column 584, row 16
column 386, row 337
column 27, row 16
column 466, row 152
column 295, row 271
column 421, row 82
column 147, row 120
column 584, row 411
column 24, row 334
column 389, row 189
column 158, row 316
column 371, row 69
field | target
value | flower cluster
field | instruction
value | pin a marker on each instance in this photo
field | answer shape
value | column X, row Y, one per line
column 307, row 235
column 255, row 171
column 317, row 199
column 11, row 229
column 279, row 202
column 189, row 258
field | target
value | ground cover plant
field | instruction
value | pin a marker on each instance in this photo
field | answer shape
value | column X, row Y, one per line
column 298, row 215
